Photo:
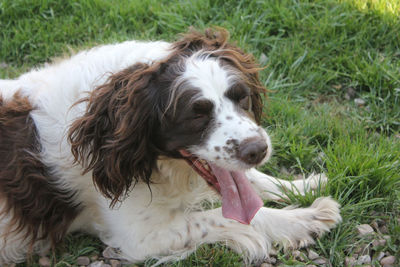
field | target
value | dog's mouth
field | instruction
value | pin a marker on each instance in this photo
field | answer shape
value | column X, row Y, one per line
column 239, row 200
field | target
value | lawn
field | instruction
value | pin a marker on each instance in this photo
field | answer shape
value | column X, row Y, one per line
column 333, row 71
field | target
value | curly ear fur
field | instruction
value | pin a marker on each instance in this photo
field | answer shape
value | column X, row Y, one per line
column 113, row 138
column 216, row 40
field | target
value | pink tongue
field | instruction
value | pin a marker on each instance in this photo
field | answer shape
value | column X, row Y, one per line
column 239, row 200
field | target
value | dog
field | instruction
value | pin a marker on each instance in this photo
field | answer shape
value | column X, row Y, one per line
column 128, row 141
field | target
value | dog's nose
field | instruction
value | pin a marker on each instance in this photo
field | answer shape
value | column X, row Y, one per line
column 252, row 150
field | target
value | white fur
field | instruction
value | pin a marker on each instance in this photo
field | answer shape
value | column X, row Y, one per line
column 169, row 223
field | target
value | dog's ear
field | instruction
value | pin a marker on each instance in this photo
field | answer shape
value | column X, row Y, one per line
column 113, row 137
column 216, row 42
column 211, row 39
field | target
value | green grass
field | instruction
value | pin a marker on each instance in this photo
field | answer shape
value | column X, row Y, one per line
column 314, row 52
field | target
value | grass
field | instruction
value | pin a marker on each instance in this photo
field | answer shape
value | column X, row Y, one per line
column 319, row 56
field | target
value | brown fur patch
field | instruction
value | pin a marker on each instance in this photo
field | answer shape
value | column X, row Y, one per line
column 38, row 209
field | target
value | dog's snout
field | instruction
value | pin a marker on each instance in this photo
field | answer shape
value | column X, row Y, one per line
column 252, row 150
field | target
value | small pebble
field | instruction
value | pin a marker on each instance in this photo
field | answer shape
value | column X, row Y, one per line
column 364, row 229
column 380, row 256
column 266, row 265
column 349, row 261
column 381, row 242
column 359, row 102
column 45, row 262
column 364, row 259
column 312, row 255
column 375, row 243
column 115, row 263
column 83, row 260
column 389, row 260
column 320, row 261
column 311, row 265
column 3, row 65
column 99, row 264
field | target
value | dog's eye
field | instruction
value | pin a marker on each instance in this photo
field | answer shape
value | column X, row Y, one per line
column 201, row 112
column 199, row 121
column 245, row 102
column 240, row 94
column 200, row 116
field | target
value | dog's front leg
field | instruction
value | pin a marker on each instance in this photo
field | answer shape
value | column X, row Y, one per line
column 273, row 188
column 177, row 237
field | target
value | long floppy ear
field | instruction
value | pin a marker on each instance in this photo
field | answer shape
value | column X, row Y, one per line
column 216, row 40
column 113, row 137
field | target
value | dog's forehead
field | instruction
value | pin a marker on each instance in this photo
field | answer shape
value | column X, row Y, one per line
column 209, row 75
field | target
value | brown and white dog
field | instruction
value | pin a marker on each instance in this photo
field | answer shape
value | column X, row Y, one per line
column 126, row 141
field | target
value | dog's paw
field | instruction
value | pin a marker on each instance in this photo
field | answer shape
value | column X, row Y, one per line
column 316, row 180
column 326, row 211
column 319, row 218
column 312, row 222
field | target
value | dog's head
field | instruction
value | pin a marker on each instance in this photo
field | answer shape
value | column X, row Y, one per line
column 202, row 103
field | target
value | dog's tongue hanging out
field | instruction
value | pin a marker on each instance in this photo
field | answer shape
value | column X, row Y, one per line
column 239, row 200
